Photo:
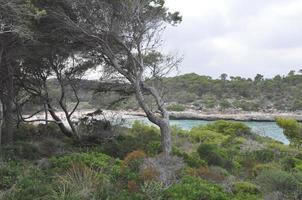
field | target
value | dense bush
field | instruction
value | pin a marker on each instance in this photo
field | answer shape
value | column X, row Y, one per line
column 214, row 155
column 26, row 131
column 140, row 137
column 9, row 172
column 20, row 150
column 259, row 168
column 200, row 134
column 245, row 188
column 223, row 104
column 292, row 164
column 80, row 183
column 153, row 190
column 246, row 105
column 192, row 160
column 279, row 181
column 133, row 160
column 90, row 159
column 191, row 188
column 33, row 183
column 229, row 128
column 264, row 155
column 212, row 173
column 149, row 173
column 292, row 130
column 176, row 107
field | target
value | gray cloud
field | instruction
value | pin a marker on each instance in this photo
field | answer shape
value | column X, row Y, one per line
column 239, row 37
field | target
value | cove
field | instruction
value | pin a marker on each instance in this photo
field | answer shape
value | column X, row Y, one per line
column 265, row 129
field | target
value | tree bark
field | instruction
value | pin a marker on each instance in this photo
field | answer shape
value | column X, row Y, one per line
column 1, row 120
column 8, row 123
column 161, row 121
column 46, row 114
column 165, row 131
column 61, row 125
column 64, row 106
column 8, row 105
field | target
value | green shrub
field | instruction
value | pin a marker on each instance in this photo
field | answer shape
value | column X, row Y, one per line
column 153, row 147
column 291, row 163
column 242, row 196
column 234, row 142
column 292, row 130
column 50, row 146
column 32, row 184
column 139, row 127
column 20, row 150
column 9, row 172
column 133, row 160
column 277, row 180
column 176, row 107
column 200, row 134
column 223, row 104
column 264, row 155
column 25, row 131
column 80, row 183
column 191, row 188
column 213, row 173
column 126, row 195
column 153, row 190
column 91, row 159
column 192, row 160
column 230, row 128
column 32, row 150
column 264, row 167
column 214, row 155
column 297, row 105
column 139, row 137
column 121, row 146
column 246, row 105
column 49, row 130
column 245, row 188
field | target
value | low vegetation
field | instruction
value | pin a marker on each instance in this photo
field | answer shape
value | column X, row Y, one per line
column 42, row 164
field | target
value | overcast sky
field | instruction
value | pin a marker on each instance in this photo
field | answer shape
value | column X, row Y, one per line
column 237, row 37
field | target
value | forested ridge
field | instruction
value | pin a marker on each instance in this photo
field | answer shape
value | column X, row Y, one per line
column 280, row 93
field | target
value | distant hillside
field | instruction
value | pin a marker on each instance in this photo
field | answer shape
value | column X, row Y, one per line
column 282, row 93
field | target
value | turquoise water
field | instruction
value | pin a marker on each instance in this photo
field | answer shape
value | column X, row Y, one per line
column 268, row 129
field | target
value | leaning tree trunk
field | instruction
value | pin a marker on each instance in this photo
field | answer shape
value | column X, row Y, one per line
column 9, row 122
column 59, row 122
column 1, row 120
column 162, row 121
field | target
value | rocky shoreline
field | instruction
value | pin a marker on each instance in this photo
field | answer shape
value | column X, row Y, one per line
column 191, row 115
column 236, row 116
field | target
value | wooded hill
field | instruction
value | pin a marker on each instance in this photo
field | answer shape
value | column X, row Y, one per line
column 282, row 93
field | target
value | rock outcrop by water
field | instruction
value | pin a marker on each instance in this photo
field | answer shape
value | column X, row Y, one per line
column 237, row 116
column 193, row 115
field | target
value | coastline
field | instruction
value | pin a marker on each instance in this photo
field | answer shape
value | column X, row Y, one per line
column 215, row 115
column 191, row 115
